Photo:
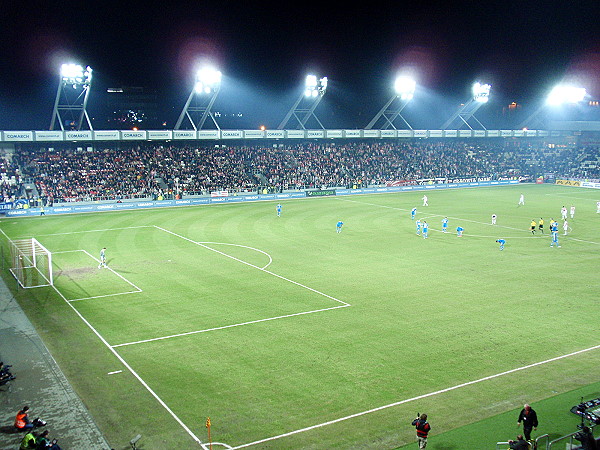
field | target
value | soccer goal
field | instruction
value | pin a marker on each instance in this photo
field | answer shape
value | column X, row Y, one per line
column 31, row 263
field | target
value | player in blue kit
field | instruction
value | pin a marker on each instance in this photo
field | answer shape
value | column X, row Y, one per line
column 501, row 242
column 554, row 234
column 425, row 230
column 413, row 213
column 418, row 224
column 459, row 231
column 338, row 226
column 278, row 207
column 445, row 225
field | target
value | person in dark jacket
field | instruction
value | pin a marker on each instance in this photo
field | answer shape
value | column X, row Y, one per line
column 586, row 437
column 530, row 422
column 519, row 444
column 423, row 428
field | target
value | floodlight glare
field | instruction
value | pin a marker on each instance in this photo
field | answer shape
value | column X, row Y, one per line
column 565, row 94
column 76, row 74
column 405, row 87
column 481, row 92
column 207, row 80
column 314, row 86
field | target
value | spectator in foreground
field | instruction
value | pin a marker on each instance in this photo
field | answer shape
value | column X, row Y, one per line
column 44, row 442
column 28, row 442
column 586, row 437
column 22, row 421
column 519, row 444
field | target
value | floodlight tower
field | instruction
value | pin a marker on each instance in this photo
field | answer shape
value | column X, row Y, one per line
column 207, row 87
column 481, row 95
column 559, row 95
column 72, row 97
column 405, row 90
column 305, row 106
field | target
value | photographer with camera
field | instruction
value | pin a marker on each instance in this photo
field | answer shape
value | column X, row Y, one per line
column 423, row 428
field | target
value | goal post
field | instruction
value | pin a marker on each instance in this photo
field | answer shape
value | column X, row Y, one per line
column 31, row 263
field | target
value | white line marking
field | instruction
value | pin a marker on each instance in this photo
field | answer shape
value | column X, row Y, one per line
column 244, row 246
column 117, row 274
column 133, row 372
column 93, row 231
column 252, row 265
column 103, row 296
column 229, row 326
column 419, row 397
column 116, row 371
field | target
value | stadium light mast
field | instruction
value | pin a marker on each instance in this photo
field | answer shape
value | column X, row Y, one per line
column 405, row 90
column 466, row 112
column 72, row 98
column 560, row 95
column 305, row 106
column 206, row 89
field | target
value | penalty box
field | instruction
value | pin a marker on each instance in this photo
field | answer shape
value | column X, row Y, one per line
column 188, row 287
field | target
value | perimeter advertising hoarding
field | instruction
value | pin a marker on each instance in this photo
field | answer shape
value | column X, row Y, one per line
column 450, row 133
column 185, row 134
column 568, row 182
column 352, row 133
column 106, row 135
column 18, row 136
column 334, row 134
column 465, row 133
column 478, row 133
column 436, row 133
column 320, row 193
column 315, row 134
column 506, row 133
column 590, row 184
column 202, row 134
column 78, row 135
column 420, row 133
column 275, row 134
column 231, row 134
column 48, row 136
column 295, row 134
column 391, row 133
column 493, row 133
column 371, row 133
column 160, row 135
column 254, row 134
column 139, row 135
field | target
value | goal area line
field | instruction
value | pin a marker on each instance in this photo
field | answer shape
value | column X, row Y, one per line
column 135, row 290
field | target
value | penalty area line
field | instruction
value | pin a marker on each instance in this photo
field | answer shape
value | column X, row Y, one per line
column 228, row 326
column 419, row 397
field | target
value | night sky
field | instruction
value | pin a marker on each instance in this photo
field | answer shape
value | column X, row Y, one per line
column 265, row 49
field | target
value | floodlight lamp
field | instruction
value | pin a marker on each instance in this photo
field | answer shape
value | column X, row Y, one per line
column 311, row 82
column 566, row 94
column 405, row 87
column 207, row 80
column 75, row 74
column 481, row 92
column 323, row 84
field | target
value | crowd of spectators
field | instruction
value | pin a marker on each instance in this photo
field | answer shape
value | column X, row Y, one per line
column 159, row 170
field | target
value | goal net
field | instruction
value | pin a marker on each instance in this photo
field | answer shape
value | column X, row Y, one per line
column 31, row 263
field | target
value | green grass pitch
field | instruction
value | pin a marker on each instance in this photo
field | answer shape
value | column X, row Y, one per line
column 289, row 335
